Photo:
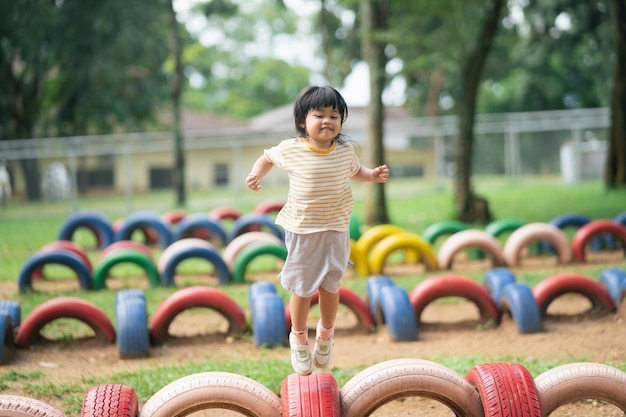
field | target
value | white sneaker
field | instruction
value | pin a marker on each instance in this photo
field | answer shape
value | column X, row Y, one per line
column 323, row 352
column 300, row 356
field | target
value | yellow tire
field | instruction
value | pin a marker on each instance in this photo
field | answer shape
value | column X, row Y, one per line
column 407, row 241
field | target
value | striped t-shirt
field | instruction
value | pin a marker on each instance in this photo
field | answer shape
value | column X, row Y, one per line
column 320, row 198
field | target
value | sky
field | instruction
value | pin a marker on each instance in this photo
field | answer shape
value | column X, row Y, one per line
column 356, row 87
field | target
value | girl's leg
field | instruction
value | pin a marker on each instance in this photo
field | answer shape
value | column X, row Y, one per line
column 328, row 303
column 299, row 308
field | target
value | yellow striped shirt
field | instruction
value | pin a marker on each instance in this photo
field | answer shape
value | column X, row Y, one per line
column 320, row 198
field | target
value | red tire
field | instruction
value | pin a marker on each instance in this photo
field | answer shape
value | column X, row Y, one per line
column 66, row 245
column 377, row 385
column 110, row 400
column 126, row 244
column 315, row 395
column 581, row 381
column 454, row 286
column 548, row 289
column 269, row 207
column 506, row 389
column 221, row 213
column 350, row 299
column 64, row 307
column 192, row 297
column 594, row 228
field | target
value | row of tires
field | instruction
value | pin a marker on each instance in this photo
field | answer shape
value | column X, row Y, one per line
column 385, row 304
column 487, row 390
column 369, row 253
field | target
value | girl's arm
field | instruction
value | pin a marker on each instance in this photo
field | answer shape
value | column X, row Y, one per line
column 260, row 168
column 378, row 174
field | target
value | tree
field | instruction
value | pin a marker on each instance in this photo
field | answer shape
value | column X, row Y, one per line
column 469, row 207
column 615, row 172
column 374, row 21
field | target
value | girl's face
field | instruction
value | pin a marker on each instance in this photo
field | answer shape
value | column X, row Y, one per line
column 322, row 126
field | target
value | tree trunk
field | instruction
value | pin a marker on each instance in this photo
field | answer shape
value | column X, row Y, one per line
column 374, row 15
column 469, row 207
column 615, row 166
column 176, row 91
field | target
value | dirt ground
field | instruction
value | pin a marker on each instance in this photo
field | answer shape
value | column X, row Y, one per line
column 571, row 333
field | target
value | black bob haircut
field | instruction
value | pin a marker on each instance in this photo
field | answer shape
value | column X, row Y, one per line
column 314, row 97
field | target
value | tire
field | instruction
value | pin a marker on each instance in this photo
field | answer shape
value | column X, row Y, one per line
column 7, row 337
column 102, row 269
column 64, row 307
column 537, row 232
column 454, row 286
column 571, row 220
column 412, row 243
column 518, row 301
column 233, row 248
column 225, row 213
column 110, row 400
column 373, row 286
column 124, row 245
column 595, row 228
column 69, row 246
column 211, row 390
column 18, row 406
column 351, row 300
column 174, row 216
column 496, row 229
column 192, row 297
column 506, row 389
column 315, row 395
column 441, row 229
column 614, row 279
column 398, row 314
column 263, row 221
column 580, row 381
column 53, row 256
column 13, row 309
column 247, row 254
column 168, row 274
column 548, row 289
column 258, row 289
column 94, row 221
column 203, row 222
column 355, row 228
column 386, row 381
column 145, row 220
column 495, row 280
column 268, row 321
column 270, row 207
column 131, row 317
column 470, row 238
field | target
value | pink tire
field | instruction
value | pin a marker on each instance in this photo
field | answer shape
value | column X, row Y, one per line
column 69, row 246
column 126, row 244
column 179, row 245
column 243, row 240
column 18, row 406
column 454, row 286
column 534, row 232
column 470, row 238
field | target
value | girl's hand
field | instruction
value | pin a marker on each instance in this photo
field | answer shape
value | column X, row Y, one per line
column 380, row 174
column 253, row 182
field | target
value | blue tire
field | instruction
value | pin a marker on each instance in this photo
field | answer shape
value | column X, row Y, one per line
column 495, row 280
column 614, row 279
column 131, row 317
column 7, row 335
column 373, row 286
column 129, row 293
column 62, row 257
column 519, row 301
column 210, row 254
column 200, row 221
column 259, row 288
column 253, row 219
column 94, row 221
column 145, row 219
column 268, row 321
column 398, row 313
column 13, row 309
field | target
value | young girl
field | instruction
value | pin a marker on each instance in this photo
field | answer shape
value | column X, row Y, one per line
column 316, row 216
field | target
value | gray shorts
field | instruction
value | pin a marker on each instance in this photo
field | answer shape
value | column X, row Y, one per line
column 315, row 260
